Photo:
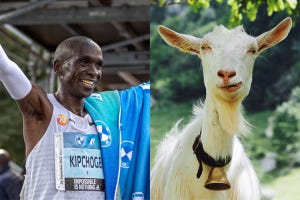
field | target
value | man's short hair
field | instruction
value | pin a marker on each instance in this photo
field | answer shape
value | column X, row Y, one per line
column 66, row 49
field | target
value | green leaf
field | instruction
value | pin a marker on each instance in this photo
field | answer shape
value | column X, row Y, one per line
column 292, row 3
column 281, row 5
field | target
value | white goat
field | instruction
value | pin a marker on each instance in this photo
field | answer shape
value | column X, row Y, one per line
column 227, row 58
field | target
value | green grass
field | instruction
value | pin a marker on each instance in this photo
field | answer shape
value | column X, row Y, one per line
column 286, row 187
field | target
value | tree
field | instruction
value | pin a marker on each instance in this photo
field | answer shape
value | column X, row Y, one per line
column 241, row 8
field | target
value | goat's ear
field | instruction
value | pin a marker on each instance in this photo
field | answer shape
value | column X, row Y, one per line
column 274, row 36
column 185, row 43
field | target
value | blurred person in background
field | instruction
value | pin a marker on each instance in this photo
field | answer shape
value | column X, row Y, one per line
column 10, row 182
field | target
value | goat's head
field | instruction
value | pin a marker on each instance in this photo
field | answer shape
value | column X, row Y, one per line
column 227, row 56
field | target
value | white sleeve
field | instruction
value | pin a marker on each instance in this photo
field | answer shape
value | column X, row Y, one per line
column 12, row 77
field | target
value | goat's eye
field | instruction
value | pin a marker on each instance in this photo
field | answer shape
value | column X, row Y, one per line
column 205, row 47
column 252, row 50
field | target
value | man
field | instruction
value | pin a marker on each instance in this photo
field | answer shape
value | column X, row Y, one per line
column 10, row 182
column 75, row 146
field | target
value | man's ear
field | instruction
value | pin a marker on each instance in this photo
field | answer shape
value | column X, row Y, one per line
column 185, row 43
column 274, row 36
column 57, row 67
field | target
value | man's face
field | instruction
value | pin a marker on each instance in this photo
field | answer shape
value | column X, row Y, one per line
column 82, row 71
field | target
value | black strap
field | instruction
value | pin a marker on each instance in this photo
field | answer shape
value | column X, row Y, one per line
column 202, row 156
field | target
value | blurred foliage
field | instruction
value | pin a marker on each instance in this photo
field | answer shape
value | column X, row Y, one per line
column 240, row 8
column 11, row 137
column 282, row 140
column 286, row 133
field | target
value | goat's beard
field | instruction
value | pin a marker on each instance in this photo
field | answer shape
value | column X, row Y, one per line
column 230, row 117
column 231, row 97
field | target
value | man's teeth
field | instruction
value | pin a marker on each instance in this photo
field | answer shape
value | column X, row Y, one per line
column 88, row 83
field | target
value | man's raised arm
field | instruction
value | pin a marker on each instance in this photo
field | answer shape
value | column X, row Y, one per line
column 14, row 80
column 31, row 99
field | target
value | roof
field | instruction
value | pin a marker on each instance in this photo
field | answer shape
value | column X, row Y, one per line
column 120, row 27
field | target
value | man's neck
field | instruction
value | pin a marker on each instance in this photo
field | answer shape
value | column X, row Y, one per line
column 73, row 104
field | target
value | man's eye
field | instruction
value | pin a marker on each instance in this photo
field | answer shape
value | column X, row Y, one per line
column 99, row 65
column 84, row 61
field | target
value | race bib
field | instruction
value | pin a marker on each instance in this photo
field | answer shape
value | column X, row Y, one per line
column 78, row 163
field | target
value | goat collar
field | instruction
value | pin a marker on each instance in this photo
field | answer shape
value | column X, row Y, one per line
column 202, row 156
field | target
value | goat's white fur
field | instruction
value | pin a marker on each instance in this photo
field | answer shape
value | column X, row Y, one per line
column 173, row 175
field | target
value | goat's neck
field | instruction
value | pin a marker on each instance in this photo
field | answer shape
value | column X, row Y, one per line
column 222, row 120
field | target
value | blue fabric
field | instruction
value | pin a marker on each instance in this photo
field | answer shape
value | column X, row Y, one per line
column 104, row 110
column 135, row 120
column 123, row 123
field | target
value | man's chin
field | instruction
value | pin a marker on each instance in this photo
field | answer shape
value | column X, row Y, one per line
column 85, row 94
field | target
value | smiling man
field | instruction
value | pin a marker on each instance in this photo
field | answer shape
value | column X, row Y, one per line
column 75, row 146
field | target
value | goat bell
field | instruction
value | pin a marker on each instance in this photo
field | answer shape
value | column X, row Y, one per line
column 217, row 179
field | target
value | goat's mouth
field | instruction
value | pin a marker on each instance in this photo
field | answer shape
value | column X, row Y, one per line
column 231, row 87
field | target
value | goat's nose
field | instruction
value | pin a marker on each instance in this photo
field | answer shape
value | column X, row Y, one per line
column 226, row 75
